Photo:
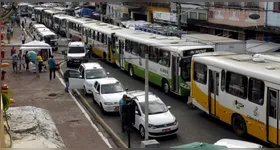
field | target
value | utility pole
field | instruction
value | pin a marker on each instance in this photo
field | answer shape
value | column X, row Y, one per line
column 178, row 10
column 146, row 96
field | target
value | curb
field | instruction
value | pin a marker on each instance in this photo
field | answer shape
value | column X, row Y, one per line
column 117, row 141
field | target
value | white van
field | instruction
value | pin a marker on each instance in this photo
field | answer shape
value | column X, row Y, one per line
column 50, row 38
column 76, row 53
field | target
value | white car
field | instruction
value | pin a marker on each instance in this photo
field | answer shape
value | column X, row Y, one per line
column 230, row 143
column 76, row 53
column 85, row 76
column 161, row 121
column 107, row 92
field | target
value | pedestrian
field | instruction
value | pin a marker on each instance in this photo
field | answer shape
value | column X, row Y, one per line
column 15, row 60
column 12, row 32
column 25, row 19
column 22, row 38
column 20, row 58
column 13, row 51
column 122, row 103
column 26, row 58
column 66, row 76
column 40, row 62
column 22, row 25
column 52, row 64
column 9, row 36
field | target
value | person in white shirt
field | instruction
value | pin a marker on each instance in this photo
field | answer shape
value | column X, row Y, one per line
column 22, row 38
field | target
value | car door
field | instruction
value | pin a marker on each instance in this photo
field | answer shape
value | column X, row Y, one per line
column 76, row 81
column 94, row 89
column 138, row 116
column 97, row 94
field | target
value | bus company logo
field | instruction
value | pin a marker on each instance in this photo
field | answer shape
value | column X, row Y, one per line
column 256, row 112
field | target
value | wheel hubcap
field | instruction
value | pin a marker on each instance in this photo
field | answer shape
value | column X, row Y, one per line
column 142, row 132
column 130, row 72
column 166, row 88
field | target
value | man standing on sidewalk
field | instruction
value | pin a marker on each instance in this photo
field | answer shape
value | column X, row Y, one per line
column 51, row 63
column 122, row 103
column 66, row 76
column 15, row 60
column 22, row 38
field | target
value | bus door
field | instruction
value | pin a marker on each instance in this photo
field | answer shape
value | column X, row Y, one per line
column 121, row 53
column 273, row 116
column 175, row 73
column 213, row 91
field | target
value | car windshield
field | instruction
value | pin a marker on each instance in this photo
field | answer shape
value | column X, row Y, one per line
column 76, row 50
column 95, row 74
column 155, row 107
column 111, row 88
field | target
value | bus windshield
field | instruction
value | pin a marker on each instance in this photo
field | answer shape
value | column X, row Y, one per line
column 185, row 63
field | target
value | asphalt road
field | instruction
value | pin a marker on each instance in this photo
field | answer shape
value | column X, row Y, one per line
column 194, row 125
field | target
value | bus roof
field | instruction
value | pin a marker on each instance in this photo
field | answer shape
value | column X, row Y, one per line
column 79, row 20
column 103, row 27
column 41, row 8
column 53, row 11
column 60, row 16
column 60, row 8
column 210, row 39
column 245, row 64
column 46, row 33
column 23, row 4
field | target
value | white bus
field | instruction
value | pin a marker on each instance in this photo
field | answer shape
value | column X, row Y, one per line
column 39, row 13
column 241, row 90
column 48, row 17
column 23, row 9
column 60, row 23
column 169, row 60
column 30, row 9
column 100, row 36
column 74, row 27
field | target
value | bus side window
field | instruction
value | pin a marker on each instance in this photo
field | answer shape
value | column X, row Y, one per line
column 272, row 98
column 200, row 73
column 97, row 36
column 153, row 52
column 223, row 80
column 93, row 35
column 102, row 38
column 256, row 91
column 135, row 48
column 236, row 84
column 164, row 58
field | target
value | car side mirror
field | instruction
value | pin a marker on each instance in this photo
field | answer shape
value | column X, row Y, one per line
column 108, row 73
column 137, row 112
column 168, row 107
column 126, row 89
column 80, row 76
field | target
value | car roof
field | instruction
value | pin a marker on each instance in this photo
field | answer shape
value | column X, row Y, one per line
column 92, row 65
column 107, row 80
column 140, row 95
column 76, row 44
column 47, row 32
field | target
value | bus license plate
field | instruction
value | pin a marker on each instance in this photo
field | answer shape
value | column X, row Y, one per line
column 166, row 130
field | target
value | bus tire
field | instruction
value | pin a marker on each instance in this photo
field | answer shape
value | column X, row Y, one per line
column 130, row 70
column 239, row 125
column 165, row 86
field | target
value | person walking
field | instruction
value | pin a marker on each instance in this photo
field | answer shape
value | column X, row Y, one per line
column 12, row 32
column 66, row 76
column 26, row 60
column 20, row 58
column 22, row 25
column 9, row 36
column 22, row 38
column 15, row 60
column 40, row 62
column 122, row 103
column 51, row 63
column 13, row 51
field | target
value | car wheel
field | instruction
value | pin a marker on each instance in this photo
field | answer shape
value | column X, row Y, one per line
column 131, row 71
column 102, row 109
column 142, row 131
column 239, row 125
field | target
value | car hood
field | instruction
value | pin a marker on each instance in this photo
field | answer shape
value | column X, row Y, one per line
column 231, row 143
column 162, row 118
column 73, row 55
column 113, row 97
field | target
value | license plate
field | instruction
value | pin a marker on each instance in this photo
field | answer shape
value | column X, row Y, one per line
column 76, row 60
column 166, row 130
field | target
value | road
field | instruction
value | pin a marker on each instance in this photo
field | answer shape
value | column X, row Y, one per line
column 194, row 124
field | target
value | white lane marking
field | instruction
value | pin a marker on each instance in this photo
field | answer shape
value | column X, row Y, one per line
column 86, row 114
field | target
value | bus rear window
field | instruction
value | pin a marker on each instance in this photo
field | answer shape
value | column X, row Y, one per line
column 197, row 51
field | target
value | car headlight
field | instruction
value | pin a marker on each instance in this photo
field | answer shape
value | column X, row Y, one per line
column 108, row 103
column 175, row 122
column 151, row 126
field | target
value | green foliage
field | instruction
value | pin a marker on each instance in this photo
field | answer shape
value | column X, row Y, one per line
column 6, row 99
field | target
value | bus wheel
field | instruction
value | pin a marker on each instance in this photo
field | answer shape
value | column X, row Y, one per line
column 130, row 70
column 239, row 125
column 165, row 86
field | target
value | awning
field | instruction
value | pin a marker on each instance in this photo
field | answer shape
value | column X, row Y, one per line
column 256, row 46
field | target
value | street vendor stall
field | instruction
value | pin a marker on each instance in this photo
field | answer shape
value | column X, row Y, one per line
column 44, row 49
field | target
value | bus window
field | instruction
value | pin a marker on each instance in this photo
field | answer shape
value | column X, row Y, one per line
column 93, row 35
column 164, row 58
column 272, row 98
column 236, row 84
column 223, row 80
column 135, row 48
column 97, row 36
column 105, row 39
column 256, row 91
column 127, row 46
column 153, row 52
column 102, row 38
column 200, row 73
column 142, row 50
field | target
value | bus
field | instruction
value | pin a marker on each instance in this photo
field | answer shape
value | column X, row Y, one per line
column 60, row 23
column 74, row 27
column 39, row 13
column 48, row 17
column 241, row 90
column 30, row 10
column 169, row 60
column 22, row 9
column 101, row 38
